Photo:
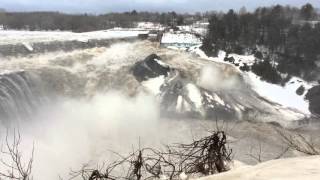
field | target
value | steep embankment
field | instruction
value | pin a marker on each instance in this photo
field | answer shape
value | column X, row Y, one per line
column 291, row 93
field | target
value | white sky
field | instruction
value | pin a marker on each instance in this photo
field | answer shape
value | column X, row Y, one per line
column 103, row 6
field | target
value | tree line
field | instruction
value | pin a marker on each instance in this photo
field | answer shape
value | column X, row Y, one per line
column 89, row 22
column 286, row 38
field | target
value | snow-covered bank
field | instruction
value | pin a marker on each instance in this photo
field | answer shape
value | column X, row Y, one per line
column 18, row 37
column 301, row 168
column 285, row 95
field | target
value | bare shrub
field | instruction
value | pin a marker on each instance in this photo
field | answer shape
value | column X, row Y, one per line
column 299, row 142
column 205, row 156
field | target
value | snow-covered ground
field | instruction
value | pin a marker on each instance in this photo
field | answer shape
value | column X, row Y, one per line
column 301, row 168
column 29, row 37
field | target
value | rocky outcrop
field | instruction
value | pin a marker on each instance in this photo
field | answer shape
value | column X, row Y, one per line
column 313, row 96
column 300, row 91
column 150, row 67
column 180, row 96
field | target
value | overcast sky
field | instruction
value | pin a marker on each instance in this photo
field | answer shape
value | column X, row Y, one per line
column 103, row 6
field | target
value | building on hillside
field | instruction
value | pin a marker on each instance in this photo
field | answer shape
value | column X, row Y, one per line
column 199, row 27
column 149, row 25
column 179, row 39
column 152, row 35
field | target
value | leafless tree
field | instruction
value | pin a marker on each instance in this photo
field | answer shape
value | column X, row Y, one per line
column 12, row 160
column 256, row 154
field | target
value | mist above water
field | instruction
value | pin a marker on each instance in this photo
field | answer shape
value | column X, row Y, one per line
column 71, row 132
column 215, row 79
column 86, row 112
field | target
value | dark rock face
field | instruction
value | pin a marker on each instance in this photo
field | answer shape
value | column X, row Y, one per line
column 300, row 90
column 313, row 96
column 149, row 68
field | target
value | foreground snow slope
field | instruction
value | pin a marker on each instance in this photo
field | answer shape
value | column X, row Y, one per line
column 301, row 168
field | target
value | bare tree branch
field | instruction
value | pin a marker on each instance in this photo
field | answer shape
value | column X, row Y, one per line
column 12, row 159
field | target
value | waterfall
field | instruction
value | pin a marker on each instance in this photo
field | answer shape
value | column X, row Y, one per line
column 18, row 96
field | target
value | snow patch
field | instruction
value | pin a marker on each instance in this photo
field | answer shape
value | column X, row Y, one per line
column 194, row 95
column 179, row 103
column 154, row 84
column 161, row 63
column 218, row 100
column 243, row 59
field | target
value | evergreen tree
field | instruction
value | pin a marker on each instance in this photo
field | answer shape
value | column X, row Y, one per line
column 307, row 11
